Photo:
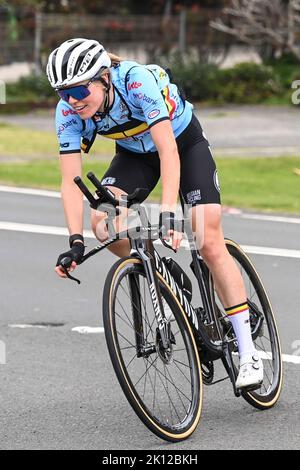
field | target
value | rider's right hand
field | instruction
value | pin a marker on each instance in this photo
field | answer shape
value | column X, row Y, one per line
column 75, row 254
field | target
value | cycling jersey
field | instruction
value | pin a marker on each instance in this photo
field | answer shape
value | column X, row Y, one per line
column 143, row 96
column 199, row 182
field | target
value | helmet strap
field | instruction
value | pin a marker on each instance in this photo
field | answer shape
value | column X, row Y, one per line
column 107, row 86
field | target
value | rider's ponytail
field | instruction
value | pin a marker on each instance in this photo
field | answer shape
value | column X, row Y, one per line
column 115, row 59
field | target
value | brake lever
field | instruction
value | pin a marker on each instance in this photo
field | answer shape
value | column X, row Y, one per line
column 167, row 245
column 163, row 232
column 71, row 277
column 65, row 264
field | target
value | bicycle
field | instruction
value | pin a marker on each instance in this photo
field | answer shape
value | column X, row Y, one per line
column 162, row 348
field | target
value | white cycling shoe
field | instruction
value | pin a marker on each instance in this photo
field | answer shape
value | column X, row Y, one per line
column 251, row 372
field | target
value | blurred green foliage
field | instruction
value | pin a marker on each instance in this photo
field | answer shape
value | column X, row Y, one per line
column 287, row 69
column 32, row 87
column 245, row 83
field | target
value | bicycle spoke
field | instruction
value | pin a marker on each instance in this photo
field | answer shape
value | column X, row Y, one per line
column 269, row 360
column 154, row 395
column 128, row 347
column 186, row 411
column 172, row 383
column 130, row 298
column 182, row 363
column 169, row 395
column 123, row 307
column 170, row 400
column 130, row 325
column 167, row 390
column 153, row 389
column 147, row 322
column 126, row 339
column 145, row 381
column 146, row 371
column 268, row 339
column 130, row 361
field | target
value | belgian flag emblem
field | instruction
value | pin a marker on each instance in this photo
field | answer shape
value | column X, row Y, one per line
column 171, row 104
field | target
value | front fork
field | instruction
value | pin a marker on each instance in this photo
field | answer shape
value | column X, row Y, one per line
column 145, row 250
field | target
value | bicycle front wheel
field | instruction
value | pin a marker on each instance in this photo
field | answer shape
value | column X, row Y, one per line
column 263, row 327
column 165, row 390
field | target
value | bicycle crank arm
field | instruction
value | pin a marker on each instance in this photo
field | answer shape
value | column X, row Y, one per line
column 229, row 366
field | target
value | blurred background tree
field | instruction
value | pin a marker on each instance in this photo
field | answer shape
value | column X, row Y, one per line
column 173, row 33
column 133, row 7
column 271, row 26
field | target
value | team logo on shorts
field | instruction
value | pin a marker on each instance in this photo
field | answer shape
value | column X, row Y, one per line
column 194, row 196
column 216, row 181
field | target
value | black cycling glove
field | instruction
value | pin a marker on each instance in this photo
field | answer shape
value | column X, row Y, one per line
column 75, row 253
column 167, row 221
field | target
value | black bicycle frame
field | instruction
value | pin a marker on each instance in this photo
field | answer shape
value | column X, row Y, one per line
column 141, row 241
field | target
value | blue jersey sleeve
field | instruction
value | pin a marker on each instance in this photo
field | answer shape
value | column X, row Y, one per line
column 68, row 129
column 144, row 93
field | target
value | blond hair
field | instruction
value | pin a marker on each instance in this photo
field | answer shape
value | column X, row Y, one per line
column 115, row 59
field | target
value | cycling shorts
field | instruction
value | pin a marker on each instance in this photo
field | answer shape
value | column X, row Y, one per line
column 198, row 174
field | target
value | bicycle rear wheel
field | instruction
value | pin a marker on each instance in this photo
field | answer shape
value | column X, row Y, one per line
column 165, row 391
column 264, row 331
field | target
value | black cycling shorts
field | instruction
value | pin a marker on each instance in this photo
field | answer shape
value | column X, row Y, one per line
column 198, row 178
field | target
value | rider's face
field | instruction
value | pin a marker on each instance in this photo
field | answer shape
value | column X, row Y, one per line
column 87, row 107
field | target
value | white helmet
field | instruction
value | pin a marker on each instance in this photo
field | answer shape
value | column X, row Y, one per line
column 76, row 60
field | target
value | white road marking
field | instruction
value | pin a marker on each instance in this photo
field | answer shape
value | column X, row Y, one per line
column 291, row 358
column 41, row 229
column 271, row 218
column 269, row 251
column 52, row 230
column 285, row 357
column 29, row 191
column 87, row 329
column 97, row 330
column 26, row 326
column 228, row 210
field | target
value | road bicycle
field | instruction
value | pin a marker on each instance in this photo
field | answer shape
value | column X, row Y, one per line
column 162, row 347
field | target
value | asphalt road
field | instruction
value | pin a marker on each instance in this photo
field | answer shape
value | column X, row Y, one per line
column 58, row 389
column 250, row 131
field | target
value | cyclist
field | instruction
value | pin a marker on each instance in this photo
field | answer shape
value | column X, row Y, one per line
column 156, row 134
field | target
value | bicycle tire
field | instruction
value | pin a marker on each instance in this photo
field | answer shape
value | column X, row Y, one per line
column 164, row 430
column 257, row 398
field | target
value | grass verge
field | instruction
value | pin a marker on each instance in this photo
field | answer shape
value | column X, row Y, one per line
column 16, row 141
column 267, row 184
